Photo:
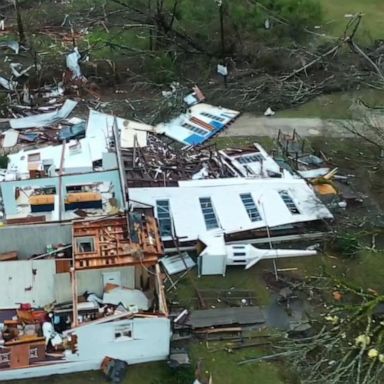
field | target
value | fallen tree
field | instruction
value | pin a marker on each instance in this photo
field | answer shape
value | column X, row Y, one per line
column 348, row 342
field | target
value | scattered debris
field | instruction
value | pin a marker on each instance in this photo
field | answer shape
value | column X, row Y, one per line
column 44, row 119
column 177, row 263
column 114, row 369
column 269, row 112
column 73, row 64
column 179, row 358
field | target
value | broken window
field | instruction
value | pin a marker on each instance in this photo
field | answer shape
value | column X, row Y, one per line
column 208, row 213
column 80, row 188
column 193, row 128
column 48, row 190
column 289, row 202
column 250, row 207
column 164, row 217
column 250, row 158
column 75, row 148
column 33, row 157
column 85, row 244
column 123, row 332
column 47, row 164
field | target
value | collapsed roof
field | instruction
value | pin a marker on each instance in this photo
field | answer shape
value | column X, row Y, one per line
column 230, row 205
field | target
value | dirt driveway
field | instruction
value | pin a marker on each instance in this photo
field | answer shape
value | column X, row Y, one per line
column 251, row 125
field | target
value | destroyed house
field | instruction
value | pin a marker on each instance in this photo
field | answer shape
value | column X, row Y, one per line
column 105, row 298
column 241, row 208
column 76, row 179
column 116, row 241
column 160, row 164
column 254, row 162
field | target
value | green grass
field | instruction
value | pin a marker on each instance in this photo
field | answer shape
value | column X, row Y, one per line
column 372, row 24
column 223, row 142
column 225, row 369
column 335, row 105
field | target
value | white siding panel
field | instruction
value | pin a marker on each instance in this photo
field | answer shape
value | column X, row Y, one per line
column 26, row 281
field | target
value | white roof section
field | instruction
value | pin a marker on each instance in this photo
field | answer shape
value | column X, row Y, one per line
column 215, row 244
column 98, row 133
column 134, row 134
column 77, row 158
column 10, row 138
column 78, row 155
column 198, row 124
column 228, row 206
column 257, row 163
column 100, row 128
column 44, row 119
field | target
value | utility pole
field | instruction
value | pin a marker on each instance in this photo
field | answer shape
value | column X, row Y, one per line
column 150, row 28
column 20, row 26
column 223, row 70
column 221, row 13
column 269, row 239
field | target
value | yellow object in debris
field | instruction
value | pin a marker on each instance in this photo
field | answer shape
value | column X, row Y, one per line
column 82, row 197
column 41, row 199
column 325, row 189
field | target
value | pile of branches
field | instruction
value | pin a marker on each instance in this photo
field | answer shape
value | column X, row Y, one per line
column 348, row 346
column 339, row 66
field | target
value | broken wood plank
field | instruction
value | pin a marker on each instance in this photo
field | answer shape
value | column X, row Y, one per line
column 7, row 256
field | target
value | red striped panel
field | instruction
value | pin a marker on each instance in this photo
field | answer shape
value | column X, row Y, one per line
column 202, row 123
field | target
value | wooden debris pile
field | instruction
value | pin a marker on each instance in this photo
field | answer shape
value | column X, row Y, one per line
column 162, row 164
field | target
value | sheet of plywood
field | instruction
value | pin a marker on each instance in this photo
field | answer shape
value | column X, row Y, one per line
column 10, row 138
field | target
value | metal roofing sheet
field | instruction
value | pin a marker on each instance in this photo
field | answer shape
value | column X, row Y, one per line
column 44, row 119
column 228, row 206
column 206, row 118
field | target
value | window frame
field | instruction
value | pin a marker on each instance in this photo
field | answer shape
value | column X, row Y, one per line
column 125, row 332
column 256, row 157
column 209, row 214
column 90, row 239
column 199, row 131
column 289, row 202
column 167, row 218
column 250, row 207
